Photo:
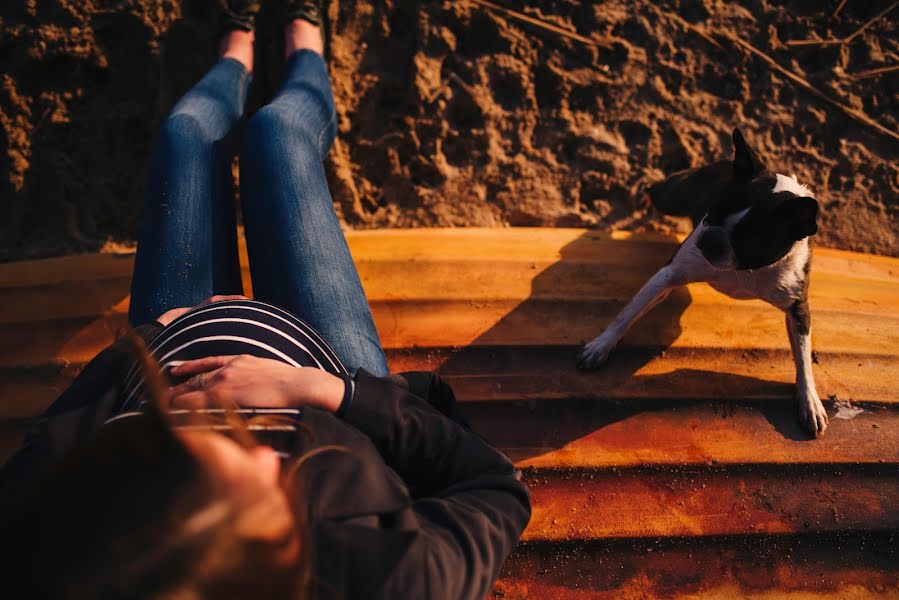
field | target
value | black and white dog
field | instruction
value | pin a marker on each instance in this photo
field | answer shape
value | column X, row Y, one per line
column 750, row 240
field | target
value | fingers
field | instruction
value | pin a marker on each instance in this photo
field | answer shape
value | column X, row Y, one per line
column 195, row 399
column 197, row 391
column 191, row 385
column 201, row 365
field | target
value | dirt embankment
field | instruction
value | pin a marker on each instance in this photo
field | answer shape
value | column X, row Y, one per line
column 456, row 114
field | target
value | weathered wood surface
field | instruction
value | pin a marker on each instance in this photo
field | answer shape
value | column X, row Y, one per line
column 682, row 451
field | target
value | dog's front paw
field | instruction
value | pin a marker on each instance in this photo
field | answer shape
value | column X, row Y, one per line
column 812, row 415
column 593, row 354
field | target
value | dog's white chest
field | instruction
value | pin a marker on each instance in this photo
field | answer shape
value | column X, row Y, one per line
column 779, row 284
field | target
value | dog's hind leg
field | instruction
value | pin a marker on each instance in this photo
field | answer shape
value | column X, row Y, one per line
column 812, row 415
column 653, row 291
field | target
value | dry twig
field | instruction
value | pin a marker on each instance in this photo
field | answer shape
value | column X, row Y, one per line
column 827, row 42
column 848, row 39
column 871, row 21
column 688, row 25
column 874, row 72
column 544, row 25
column 839, row 7
column 804, row 84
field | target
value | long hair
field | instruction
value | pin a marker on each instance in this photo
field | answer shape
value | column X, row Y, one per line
column 132, row 513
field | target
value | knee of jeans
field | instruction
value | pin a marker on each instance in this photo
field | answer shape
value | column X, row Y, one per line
column 278, row 129
column 183, row 130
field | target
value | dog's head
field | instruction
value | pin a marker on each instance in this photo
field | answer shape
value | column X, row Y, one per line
column 758, row 217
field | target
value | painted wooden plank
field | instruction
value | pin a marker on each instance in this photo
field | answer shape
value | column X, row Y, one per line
column 758, row 567
column 511, row 244
column 509, row 374
column 488, row 283
column 584, row 434
column 586, row 504
column 402, row 324
column 92, row 286
column 515, row 360
column 535, row 373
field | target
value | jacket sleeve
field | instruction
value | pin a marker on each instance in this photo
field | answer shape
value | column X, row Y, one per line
column 471, row 507
column 431, row 388
column 61, row 425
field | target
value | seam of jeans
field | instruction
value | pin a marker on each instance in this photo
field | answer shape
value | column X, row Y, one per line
column 321, row 145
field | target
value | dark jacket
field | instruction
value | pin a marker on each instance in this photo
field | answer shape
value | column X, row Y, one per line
column 417, row 506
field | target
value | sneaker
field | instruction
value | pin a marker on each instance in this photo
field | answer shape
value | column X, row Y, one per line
column 312, row 11
column 239, row 14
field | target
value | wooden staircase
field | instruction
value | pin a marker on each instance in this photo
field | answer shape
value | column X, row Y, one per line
column 678, row 470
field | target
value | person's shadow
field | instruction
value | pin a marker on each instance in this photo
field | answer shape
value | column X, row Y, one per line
column 531, row 398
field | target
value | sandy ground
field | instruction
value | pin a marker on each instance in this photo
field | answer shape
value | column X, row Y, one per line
column 456, row 114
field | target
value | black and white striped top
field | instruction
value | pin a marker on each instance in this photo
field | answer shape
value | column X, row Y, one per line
column 234, row 327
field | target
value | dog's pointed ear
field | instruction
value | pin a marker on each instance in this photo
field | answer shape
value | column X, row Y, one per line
column 747, row 163
column 801, row 216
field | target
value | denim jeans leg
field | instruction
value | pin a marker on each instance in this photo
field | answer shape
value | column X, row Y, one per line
column 299, row 258
column 187, row 248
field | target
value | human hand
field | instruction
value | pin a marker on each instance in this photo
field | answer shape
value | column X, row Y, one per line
column 170, row 315
column 250, row 381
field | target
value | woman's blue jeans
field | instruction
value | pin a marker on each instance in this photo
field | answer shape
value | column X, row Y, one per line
column 299, row 259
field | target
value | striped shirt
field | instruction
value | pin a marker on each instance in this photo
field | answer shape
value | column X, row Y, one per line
column 233, row 327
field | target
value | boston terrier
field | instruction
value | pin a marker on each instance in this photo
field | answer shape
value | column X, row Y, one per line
column 750, row 240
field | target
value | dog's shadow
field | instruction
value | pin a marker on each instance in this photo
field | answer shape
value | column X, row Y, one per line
column 531, row 353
